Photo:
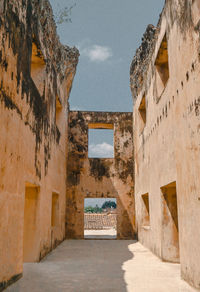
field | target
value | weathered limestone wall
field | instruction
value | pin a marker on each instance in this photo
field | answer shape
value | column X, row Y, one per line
column 167, row 137
column 100, row 178
column 103, row 221
column 36, row 74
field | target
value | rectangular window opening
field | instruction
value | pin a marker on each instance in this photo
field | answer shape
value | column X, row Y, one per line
column 170, row 230
column 100, row 141
column 145, row 210
column 100, row 218
column 55, row 210
column 162, row 67
column 58, row 113
column 142, row 114
column 31, row 224
column 38, row 69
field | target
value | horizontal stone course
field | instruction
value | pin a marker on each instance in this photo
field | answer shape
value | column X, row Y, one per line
column 100, row 221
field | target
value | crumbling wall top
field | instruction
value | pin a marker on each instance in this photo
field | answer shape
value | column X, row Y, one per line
column 44, row 31
column 180, row 13
column 36, row 71
column 142, row 58
column 34, row 19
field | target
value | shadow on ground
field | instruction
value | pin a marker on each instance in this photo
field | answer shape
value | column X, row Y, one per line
column 78, row 266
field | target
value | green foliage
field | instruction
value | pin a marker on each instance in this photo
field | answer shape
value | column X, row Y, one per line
column 63, row 14
column 96, row 209
column 91, row 209
column 109, row 205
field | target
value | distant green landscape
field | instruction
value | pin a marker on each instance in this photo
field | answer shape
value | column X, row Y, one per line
column 106, row 205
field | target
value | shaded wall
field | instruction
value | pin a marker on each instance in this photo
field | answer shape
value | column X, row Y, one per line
column 167, row 147
column 33, row 141
column 100, row 178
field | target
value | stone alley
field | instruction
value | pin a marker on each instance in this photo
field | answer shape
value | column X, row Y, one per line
column 150, row 167
column 92, row 265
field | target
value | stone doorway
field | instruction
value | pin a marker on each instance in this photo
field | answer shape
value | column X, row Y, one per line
column 100, row 218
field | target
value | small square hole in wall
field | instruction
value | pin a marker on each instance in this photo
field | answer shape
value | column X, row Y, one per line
column 162, row 67
column 100, row 141
column 142, row 114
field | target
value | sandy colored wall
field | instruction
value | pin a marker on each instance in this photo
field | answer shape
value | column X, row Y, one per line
column 33, row 144
column 167, row 150
column 97, row 177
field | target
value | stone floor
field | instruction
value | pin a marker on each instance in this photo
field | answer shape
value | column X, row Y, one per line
column 101, row 266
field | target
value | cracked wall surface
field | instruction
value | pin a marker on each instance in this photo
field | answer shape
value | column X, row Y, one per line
column 98, row 177
column 36, row 74
column 167, row 146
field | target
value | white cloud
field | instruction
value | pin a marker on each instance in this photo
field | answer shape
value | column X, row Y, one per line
column 97, row 53
column 103, row 150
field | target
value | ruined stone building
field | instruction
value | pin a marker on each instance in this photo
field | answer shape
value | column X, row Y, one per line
column 100, row 177
column 166, row 94
column 45, row 171
column 36, row 74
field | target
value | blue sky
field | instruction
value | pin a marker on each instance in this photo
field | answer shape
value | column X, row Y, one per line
column 101, row 143
column 107, row 33
column 98, row 202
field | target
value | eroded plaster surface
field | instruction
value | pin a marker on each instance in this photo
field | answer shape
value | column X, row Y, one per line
column 36, row 74
column 166, row 142
column 98, row 177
